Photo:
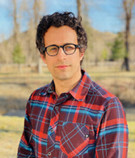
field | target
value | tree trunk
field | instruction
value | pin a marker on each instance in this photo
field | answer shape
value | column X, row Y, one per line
column 126, row 64
column 128, row 8
column 16, row 26
column 39, row 65
column 127, row 34
column 78, row 7
column 36, row 9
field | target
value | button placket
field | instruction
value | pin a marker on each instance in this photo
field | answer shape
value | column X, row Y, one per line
column 52, row 130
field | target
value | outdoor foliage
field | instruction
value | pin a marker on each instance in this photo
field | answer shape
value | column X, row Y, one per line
column 118, row 49
column 24, row 13
column 18, row 56
column 104, row 54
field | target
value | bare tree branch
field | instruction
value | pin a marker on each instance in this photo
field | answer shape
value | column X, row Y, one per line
column 16, row 25
column 78, row 7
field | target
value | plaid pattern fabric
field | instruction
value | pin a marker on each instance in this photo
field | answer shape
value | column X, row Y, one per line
column 86, row 122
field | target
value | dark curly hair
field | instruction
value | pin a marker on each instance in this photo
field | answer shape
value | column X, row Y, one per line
column 60, row 19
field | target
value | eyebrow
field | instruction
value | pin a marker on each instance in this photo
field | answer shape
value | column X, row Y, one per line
column 61, row 45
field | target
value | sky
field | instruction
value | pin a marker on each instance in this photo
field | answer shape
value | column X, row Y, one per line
column 104, row 15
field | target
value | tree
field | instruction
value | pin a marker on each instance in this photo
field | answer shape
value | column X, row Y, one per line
column 16, row 25
column 78, row 7
column 83, row 8
column 36, row 12
column 118, row 49
column 128, row 8
column 33, row 10
column 18, row 56
column 104, row 54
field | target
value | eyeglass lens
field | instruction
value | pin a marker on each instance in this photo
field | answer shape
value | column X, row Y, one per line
column 68, row 49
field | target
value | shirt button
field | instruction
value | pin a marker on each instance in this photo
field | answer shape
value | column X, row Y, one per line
column 56, row 107
column 49, row 154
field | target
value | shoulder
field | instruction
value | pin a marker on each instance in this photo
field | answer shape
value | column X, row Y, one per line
column 101, row 96
column 105, row 101
column 100, row 91
column 40, row 91
column 95, row 93
column 95, row 89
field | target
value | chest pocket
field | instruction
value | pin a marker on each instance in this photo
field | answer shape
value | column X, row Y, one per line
column 74, row 138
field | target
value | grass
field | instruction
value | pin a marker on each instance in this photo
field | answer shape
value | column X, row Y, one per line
column 11, row 130
column 131, row 151
column 16, row 87
column 10, row 133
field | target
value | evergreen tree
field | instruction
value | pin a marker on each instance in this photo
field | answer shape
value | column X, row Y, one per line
column 118, row 49
column 18, row 56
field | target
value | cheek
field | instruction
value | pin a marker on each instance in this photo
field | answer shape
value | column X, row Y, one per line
column 50, row 60
column 78, row 57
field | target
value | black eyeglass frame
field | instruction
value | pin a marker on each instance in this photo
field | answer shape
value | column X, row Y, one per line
column 62, row 46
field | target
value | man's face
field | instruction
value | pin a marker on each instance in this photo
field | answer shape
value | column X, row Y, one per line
column 62, row 66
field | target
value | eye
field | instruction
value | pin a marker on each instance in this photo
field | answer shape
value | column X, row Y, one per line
column 69, row 47
column 52, row 49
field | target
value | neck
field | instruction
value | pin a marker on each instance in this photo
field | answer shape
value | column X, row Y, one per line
column 63, row 86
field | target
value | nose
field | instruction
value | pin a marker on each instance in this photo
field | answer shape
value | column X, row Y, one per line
column 61, row 54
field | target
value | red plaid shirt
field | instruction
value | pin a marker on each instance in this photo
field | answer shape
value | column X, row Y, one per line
column 86, row 122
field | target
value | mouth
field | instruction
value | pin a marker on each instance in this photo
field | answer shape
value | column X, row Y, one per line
column 62, row 66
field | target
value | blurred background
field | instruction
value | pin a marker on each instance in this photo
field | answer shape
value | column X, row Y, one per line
column 109, row 59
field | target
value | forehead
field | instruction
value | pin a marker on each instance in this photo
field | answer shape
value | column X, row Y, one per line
column 60, row 35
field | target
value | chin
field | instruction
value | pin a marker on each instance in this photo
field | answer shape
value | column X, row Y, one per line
column 63, row 77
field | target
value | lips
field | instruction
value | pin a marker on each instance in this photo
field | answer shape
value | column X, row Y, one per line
column 62, row 66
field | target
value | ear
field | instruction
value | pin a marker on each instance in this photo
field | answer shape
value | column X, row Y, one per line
column 43, row 58
column 82, row 54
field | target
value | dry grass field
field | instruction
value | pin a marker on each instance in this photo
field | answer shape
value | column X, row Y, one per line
column 15, row 89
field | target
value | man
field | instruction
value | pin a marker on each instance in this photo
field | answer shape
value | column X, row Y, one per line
column 72, row 116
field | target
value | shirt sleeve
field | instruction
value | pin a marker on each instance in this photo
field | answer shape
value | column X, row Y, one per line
column 112, row 133
column 25, row 149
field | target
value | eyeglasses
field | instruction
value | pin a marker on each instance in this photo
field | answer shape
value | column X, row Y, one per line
column 68, row 48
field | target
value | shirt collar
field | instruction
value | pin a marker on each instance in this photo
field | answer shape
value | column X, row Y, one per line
column 51, row 87
column 80, row 91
